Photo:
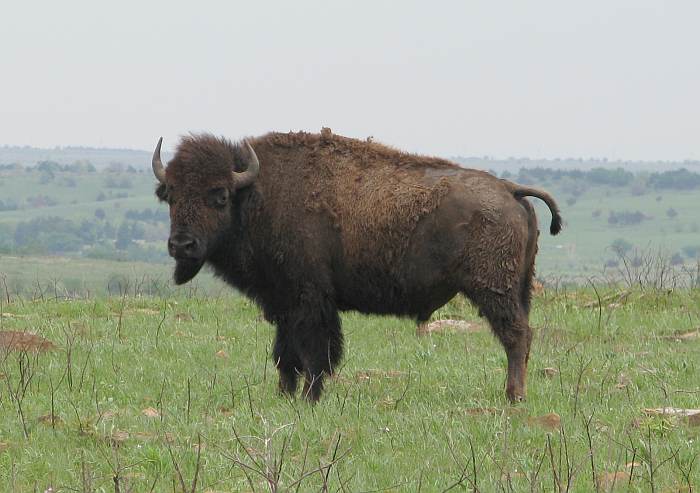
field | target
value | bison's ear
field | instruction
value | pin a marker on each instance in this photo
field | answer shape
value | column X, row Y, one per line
column 162, row 192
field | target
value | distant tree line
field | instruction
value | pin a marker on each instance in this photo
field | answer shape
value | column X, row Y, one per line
column 96, row 237
column 571, row 163
column 626, row 218
column 54, row 167
column 680, row 179
column 148, row 215
column 8, row 205
column 10, row 167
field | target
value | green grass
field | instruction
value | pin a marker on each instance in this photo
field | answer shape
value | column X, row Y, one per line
column 46, row 277
column 405, row 413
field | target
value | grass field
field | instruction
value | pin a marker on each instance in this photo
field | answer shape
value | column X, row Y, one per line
column 59, row 277
column 147, row 394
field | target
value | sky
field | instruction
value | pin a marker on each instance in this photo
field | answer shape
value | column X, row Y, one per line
column 543, row 78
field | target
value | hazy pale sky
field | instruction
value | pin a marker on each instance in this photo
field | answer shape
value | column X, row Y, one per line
column 602, row 78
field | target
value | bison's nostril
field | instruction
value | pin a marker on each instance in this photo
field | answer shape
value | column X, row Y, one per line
column 182, row 245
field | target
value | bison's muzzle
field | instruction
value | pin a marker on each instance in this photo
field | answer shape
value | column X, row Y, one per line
column 189, row 255
column 185, row 246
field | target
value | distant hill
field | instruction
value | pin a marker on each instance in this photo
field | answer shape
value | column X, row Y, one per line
column 514, row 164
column 100, row 158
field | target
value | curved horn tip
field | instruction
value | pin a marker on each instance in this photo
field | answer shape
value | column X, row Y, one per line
column 158, row 168
column 247, row 177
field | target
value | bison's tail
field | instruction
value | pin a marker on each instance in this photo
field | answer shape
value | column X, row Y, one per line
column 556, row 225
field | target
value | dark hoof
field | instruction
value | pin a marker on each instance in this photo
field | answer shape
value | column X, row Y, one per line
column 312, row 393
column 287, row 384
column 515, row 397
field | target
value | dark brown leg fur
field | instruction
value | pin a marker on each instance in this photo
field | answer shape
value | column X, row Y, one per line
column 313, row 332
column 287, row 363
column 509, row 322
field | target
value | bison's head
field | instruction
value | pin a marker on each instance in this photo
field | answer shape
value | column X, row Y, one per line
column 199, row 185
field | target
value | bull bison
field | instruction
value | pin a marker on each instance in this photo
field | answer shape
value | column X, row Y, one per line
column 308, row 225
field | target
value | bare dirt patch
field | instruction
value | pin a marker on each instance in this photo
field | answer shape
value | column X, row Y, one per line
column 450, row 326
column 151, row 412
column 688, row 416
column 684, row 336
column 493, row 411
column 13, row 340
column 50, row 420
column 549, row 421
column 11, row 315
column 147, row 311
column 365, row 375
column 614, row 300
column 183, row 317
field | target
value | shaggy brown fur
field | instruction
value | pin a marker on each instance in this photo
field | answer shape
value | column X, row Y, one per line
column 333, row 223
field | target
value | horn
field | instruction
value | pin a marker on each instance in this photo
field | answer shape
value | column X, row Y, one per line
column 158, row 168
column 247, row 177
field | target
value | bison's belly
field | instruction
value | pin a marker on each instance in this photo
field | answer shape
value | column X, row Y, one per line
column 413, row 277
column 382, row 292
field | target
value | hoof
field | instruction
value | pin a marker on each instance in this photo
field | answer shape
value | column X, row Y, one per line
column 515, row 397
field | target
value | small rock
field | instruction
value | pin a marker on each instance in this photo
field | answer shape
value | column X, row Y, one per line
column 622, row 381
column 46, row 419
column 609, row 479
column 550, row 421
column 119, row 436
column 449, row 325
column 183, row 317
column 151, row 412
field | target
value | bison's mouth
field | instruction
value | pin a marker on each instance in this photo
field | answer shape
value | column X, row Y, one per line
column 186, row 269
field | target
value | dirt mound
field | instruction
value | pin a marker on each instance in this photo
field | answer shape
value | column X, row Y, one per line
column 12, row 340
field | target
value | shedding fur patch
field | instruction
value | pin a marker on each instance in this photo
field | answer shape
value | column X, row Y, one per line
column 373, row 195
column 379, row 208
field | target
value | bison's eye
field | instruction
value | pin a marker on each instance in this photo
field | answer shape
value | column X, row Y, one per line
column 218, row 197
column 162, row 193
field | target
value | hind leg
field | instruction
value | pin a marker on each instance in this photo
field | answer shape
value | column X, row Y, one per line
column 516, row 340
column 509, row 321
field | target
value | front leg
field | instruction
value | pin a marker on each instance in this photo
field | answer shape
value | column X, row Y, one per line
column 287, row 362
column 315, row 332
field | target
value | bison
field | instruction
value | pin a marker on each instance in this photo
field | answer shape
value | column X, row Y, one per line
column 308, row 225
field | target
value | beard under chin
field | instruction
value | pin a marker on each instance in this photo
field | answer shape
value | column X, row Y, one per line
column 185, row 270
